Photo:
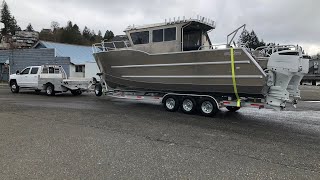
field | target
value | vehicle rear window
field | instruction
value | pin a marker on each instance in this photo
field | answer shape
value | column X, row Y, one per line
column 34, row 70
column 51, row 70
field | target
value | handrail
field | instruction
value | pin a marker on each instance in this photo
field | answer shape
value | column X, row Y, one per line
column 235, row 32
column 213, row 46
column 109, row 45
column 270, row 49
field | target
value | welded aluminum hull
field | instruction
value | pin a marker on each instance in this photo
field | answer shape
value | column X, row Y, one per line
column 205, row 71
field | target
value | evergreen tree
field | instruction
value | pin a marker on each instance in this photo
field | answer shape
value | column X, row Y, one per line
column 76, row 35
column 92, row 36
column 244, row 38
column 108, row 35
column 86, row 33
column 250, row 40
column 253, row 40
column 9, row 21
column 29, row 27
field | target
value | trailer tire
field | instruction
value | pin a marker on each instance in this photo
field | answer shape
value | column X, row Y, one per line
column 50, row 90
column 232, row 108
column 14, row 87
column 171, row 103
column 208, row 107
column 76, row 92
column 188, row 105
column 98, row 90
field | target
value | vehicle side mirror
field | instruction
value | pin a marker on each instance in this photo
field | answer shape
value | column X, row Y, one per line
column 17, row 72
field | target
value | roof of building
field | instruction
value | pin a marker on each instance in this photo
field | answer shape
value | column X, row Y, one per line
column 4, row 59
column 78, row 54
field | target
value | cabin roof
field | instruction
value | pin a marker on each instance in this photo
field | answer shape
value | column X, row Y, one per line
column 206, row 24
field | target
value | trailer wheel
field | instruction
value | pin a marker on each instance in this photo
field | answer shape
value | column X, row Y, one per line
column 76, row 92
column 188, row 105
column 50, row 90
column 98, row 90
column 14, row 87
column 232, row 108
column 37, row 91
column 171, row 103
column 208, row 107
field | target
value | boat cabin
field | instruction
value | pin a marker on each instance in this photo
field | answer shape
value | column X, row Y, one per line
column 176, row 36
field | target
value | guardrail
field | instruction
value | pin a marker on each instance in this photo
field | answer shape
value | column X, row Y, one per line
column 266, row 51
column 110, row 46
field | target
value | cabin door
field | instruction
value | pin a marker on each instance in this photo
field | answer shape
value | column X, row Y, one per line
column 191, row 40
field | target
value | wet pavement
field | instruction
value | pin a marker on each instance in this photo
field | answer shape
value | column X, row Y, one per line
column 86, row 137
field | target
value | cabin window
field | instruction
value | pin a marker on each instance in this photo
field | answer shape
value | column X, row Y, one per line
column 157, row 35
column 140, row 37
column 170, row 34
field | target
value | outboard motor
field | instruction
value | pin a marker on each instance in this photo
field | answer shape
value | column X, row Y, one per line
column 286, row 69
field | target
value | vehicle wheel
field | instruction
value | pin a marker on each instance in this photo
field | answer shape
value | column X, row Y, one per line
column 188, row 105
column 37, row 91
column 76, row 92
column 14, row 87
column 98, row 90
column 233, row 108
column 208, row 107
column 50, row 90
column 171, row 103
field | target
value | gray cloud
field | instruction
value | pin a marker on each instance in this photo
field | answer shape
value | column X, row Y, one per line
column 285, row 21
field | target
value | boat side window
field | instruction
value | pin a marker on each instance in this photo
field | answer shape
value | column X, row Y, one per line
column 25, row 71
column 170, row 34
column 140, row 37
column 157, row 35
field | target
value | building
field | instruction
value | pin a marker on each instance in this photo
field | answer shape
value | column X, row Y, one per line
column 4, row 69
column 18, row 59
column 82, row 63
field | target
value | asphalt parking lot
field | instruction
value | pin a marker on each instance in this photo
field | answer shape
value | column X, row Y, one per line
column 86, row 137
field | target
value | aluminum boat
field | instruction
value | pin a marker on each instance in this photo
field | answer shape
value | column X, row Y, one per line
column 178, row 56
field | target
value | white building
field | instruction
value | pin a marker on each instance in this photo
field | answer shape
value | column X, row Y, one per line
column 82, row 61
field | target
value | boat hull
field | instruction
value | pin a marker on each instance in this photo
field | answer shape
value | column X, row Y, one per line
column 207, row 71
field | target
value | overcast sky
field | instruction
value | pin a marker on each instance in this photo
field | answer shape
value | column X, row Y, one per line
column 280, row 21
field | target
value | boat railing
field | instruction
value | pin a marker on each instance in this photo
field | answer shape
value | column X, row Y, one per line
column 213, row 46
column 110, row 46
column 266, row 51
